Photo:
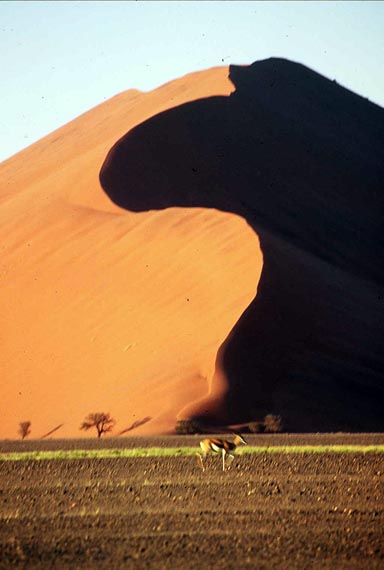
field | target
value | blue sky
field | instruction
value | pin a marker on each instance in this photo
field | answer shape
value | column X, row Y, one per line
column 60, row 58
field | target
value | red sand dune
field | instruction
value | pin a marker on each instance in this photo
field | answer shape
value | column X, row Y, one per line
column 102, row 309
column 138, row 314
column 301, row 159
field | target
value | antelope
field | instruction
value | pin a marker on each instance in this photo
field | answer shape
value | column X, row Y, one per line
column 223, row 446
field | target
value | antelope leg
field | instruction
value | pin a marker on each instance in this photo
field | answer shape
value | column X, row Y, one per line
column 201, row 460
column 231, row 457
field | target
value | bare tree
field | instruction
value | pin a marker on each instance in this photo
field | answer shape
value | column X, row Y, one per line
column 24, row 429
column 102, row 422
column 273, row 424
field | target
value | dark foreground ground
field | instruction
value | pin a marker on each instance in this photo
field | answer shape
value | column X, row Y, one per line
column 269, row 511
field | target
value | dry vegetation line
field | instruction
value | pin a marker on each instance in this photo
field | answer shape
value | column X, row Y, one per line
column 183, row 451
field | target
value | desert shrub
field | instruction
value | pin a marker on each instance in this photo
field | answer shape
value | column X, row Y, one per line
column 185, row 427
column 24, row 429
column 256, row 427
column 273, row 424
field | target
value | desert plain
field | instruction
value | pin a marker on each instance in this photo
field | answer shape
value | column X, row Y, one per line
column 269, row 510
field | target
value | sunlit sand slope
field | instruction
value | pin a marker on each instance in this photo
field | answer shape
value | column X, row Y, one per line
column 103, row 309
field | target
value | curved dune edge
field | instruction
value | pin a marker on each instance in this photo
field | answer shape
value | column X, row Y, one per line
column 300, row 158
column 102, row 309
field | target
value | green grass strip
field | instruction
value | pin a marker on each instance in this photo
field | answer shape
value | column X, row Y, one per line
column 182, row 451
column 300, row 449
column 98, row 453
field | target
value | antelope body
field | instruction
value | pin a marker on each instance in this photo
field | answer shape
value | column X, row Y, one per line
column 223, row 446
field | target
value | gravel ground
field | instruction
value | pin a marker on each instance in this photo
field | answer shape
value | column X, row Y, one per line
column 321, row 511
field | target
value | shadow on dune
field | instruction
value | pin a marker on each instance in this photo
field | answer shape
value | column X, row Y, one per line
column 301, row 159
column 52, row 431
column 135, row 425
